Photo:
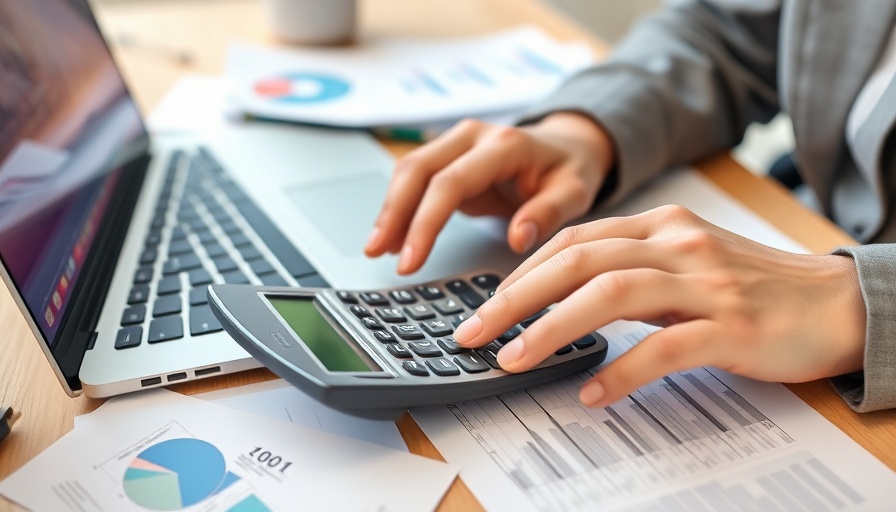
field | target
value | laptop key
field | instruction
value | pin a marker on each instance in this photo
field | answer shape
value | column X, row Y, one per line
column 199, row 296
column 235, row 277
column 168, row 285
column 199, row 277
column 133, row 315
column 139, row 294
column 165, row 329
column 313, row 281
column 203, row 321
column 148, row 256
column 262, row 267
column 154, row 238
column 249, row 252
column 215, row 250
column 273, row 280
column 179, row 247
column 143, row 275
column 225, row 264
column 167, row 305
column 183, row 263
column 128, row 337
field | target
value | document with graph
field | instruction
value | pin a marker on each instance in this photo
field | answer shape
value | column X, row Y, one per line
column 700, row 440
column 160, row 450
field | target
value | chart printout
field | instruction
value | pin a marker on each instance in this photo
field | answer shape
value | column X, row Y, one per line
column 690, row 441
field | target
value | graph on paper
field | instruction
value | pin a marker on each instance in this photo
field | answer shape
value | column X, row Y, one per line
column 564, row 456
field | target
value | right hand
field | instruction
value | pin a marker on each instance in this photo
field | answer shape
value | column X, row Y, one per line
column 540, row 176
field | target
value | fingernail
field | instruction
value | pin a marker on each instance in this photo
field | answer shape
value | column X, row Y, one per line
column 511, row 352
column 404, row 260
column 592, row 393
column 374, row 238
column 529, row 234
column 468, row 329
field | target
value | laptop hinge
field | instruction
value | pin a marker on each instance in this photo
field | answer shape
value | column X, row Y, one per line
column 77, row 329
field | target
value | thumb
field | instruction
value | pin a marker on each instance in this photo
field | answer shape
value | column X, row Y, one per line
column 544, row 213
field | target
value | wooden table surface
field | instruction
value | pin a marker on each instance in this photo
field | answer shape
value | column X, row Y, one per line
column 203, row 28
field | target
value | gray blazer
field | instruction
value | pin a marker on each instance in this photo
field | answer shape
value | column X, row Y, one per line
column 688, row 81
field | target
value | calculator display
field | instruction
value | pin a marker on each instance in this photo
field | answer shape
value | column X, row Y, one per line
column 330, row 348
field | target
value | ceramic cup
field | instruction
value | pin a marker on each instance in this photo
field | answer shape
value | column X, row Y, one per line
column 319, row 22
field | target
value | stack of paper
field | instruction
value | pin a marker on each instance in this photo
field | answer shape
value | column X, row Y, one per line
column 160, row 450
column 401, row 82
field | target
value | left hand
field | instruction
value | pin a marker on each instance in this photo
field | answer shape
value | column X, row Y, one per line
column 724, row 301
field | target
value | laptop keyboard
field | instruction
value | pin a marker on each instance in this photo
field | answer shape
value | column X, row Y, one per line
column 205, row 230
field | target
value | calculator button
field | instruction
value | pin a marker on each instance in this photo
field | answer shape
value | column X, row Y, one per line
column 584, row 342
column 442, row 367
column 449, row 345
column 531, row 320
column 465, row 293
column 486, row 281
column 436, row 328
column 359, row 311
column 448, row 307
column 391, row 315
column 458, row 319
column 490, row 355
column 408, row 332
column 402, row 297
column 429, row 292
column 384, row 336
column 509, row 334
column 565, row 349
column 420, row 312
column 398, row 351
column 372, row 323
column 347, row 297
column 471, row 363
column 375, row 299
column 415, row 368
column 425, row 349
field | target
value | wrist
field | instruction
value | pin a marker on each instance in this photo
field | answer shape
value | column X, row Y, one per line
column 586, row 133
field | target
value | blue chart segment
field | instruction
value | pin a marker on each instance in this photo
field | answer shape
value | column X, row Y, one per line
column 175, row 474
column 302, row 88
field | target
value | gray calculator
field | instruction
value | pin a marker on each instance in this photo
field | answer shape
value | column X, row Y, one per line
column 376, row 353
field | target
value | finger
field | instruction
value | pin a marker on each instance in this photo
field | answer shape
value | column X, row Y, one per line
column 409, row 182
column 672, row 349
column 637, row 227
column 625, row 294
column 491, row 202
column 468, row 176
column 557, row 202
column 556, row 279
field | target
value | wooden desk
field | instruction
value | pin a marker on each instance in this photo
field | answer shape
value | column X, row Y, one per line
column 203, row 27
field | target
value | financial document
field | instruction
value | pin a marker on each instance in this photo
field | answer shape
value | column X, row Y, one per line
column 698, row 440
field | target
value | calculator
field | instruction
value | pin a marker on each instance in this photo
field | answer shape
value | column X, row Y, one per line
column 376, row 353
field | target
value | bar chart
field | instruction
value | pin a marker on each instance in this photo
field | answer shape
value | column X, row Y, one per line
column 564, row 456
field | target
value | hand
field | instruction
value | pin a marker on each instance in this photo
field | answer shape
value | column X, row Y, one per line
column 542, row 176
column 725, row 301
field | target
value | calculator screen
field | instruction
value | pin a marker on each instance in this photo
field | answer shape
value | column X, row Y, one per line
column 331, row 348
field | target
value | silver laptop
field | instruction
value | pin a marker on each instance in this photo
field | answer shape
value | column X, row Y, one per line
column 110, row 237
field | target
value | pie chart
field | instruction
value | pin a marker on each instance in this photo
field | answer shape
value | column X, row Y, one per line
column 302, row 88
column 175, row 474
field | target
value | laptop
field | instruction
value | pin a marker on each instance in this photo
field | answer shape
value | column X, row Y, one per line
column 109, row 237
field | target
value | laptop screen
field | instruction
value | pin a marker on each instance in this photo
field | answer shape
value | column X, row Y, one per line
column 67, row 124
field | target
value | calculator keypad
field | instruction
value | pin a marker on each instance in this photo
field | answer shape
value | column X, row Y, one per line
column 415, row 325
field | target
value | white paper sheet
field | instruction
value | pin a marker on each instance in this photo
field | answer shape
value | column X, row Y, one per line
column 401, row 81
column 695, row 440
column 159, row 450
column 278, row 399
column 196, row 103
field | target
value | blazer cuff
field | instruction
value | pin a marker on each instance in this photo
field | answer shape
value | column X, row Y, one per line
column 874, row 387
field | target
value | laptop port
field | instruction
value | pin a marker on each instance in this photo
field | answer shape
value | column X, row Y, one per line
column 151, row 382
column 177, row 376
column 208, row 371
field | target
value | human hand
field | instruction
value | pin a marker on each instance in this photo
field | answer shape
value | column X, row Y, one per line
column 541, row 176
column 723, row 300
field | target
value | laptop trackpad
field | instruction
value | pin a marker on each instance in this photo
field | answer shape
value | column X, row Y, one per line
column 343, row 209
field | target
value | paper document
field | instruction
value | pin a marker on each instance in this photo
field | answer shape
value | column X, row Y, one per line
column 278, row 399
column 401, row 81
column 159, row 450
column 699, row 440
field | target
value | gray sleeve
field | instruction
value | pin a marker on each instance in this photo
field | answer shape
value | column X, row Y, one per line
column 874, row 387
column 684, row 84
